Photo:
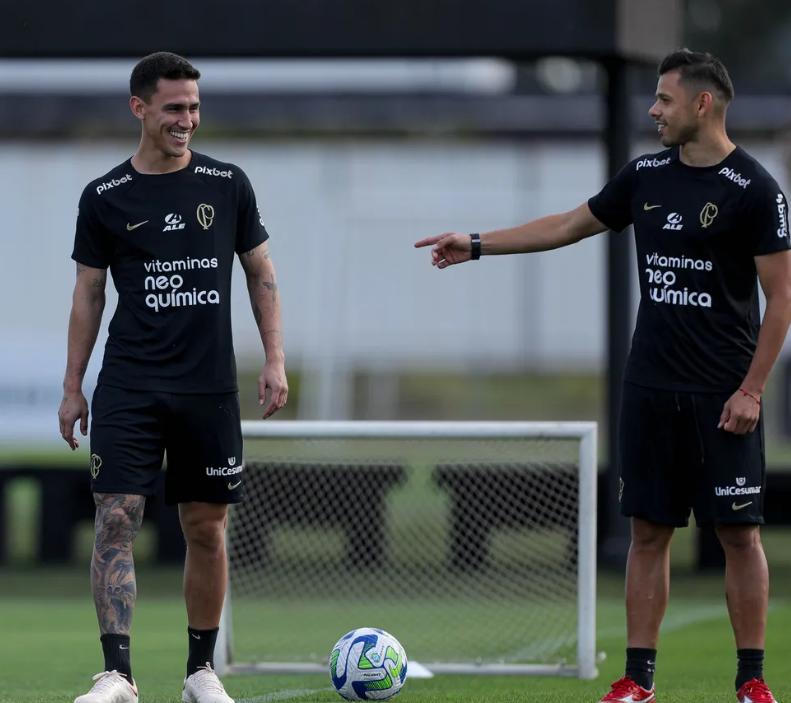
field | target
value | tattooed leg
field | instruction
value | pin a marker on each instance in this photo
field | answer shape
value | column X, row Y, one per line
column 118, row 519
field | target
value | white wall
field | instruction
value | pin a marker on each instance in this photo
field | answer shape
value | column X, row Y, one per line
column 343, row 216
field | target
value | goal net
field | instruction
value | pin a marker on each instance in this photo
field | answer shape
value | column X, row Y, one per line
column 474, row 544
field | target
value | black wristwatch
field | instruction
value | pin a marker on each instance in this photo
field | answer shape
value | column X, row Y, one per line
column 475, row 242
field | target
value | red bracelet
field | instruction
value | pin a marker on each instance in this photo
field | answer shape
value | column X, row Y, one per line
column 751, row 395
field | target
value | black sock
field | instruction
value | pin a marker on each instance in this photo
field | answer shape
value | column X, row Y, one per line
column 116, row 654
column 201, row 648
column 640, row 665
column 751, row 666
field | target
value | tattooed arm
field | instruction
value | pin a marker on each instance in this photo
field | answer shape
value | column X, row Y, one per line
column 87, row 307
column 265, row 300
column 118, row 520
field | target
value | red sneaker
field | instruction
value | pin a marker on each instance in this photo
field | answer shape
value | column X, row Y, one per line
column 626, row 690
column 755, row 691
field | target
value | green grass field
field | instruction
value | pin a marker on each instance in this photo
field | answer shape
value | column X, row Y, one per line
column 49, row 642
column 49, row 647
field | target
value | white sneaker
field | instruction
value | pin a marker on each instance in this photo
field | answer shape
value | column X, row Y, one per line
column 204, row 687
column 110, row 687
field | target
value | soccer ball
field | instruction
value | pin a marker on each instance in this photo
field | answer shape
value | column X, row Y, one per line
column 368, row 665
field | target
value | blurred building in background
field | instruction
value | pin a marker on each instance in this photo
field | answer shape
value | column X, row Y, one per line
column 353, row 161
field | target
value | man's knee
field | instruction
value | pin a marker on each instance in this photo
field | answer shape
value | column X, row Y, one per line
column 739, row 536
column 203, row 524
column 650, row 536
column 118, row 518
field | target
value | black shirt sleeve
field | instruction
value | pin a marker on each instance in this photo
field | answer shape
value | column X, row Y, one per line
column 766, row 217
column 613, row 205
column 250, row 230
column 92, row 244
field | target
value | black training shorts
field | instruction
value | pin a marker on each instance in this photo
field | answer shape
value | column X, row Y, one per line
column 132, row 430
column 674, row 460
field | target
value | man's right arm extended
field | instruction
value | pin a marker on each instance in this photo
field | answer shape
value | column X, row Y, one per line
column 86, row 317
column 543, row 234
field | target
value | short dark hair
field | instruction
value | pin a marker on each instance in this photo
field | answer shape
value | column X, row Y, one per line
column 163, row 64
column 699, row 71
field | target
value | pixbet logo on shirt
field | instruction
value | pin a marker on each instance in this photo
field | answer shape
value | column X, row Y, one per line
column 213, row 172
column 112, row 184
column 731, row 175
column 652, row 163
column 166, row 290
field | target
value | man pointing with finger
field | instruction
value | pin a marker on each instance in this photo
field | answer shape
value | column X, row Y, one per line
column 710, row 223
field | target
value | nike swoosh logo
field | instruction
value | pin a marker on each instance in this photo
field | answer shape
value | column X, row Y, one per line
column 650, row 207
column 231, row 486
column 120, row 646
column 131, row 227
column 197, row 637
column 739, row 507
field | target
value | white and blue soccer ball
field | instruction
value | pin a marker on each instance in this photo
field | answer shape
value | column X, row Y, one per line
column 368, row 665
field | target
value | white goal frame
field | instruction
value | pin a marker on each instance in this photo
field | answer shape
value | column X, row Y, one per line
column 586, row 432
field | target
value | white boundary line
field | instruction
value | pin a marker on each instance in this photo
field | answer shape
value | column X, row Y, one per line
column 283, row 695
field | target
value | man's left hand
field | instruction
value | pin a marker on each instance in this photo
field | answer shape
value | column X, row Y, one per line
column 273, row 377
column 740, row 414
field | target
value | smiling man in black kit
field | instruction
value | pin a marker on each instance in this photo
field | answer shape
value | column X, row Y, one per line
column 710, row 223
column 167, row 223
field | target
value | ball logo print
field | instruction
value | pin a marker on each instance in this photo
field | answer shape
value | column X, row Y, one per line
column 368, row 664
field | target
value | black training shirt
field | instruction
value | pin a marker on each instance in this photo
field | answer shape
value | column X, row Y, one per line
column 697, row 231
column 169, row 241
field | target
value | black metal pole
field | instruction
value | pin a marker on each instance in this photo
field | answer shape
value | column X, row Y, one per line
column 615, row 545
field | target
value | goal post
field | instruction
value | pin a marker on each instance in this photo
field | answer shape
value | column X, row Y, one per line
column 474, row 543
